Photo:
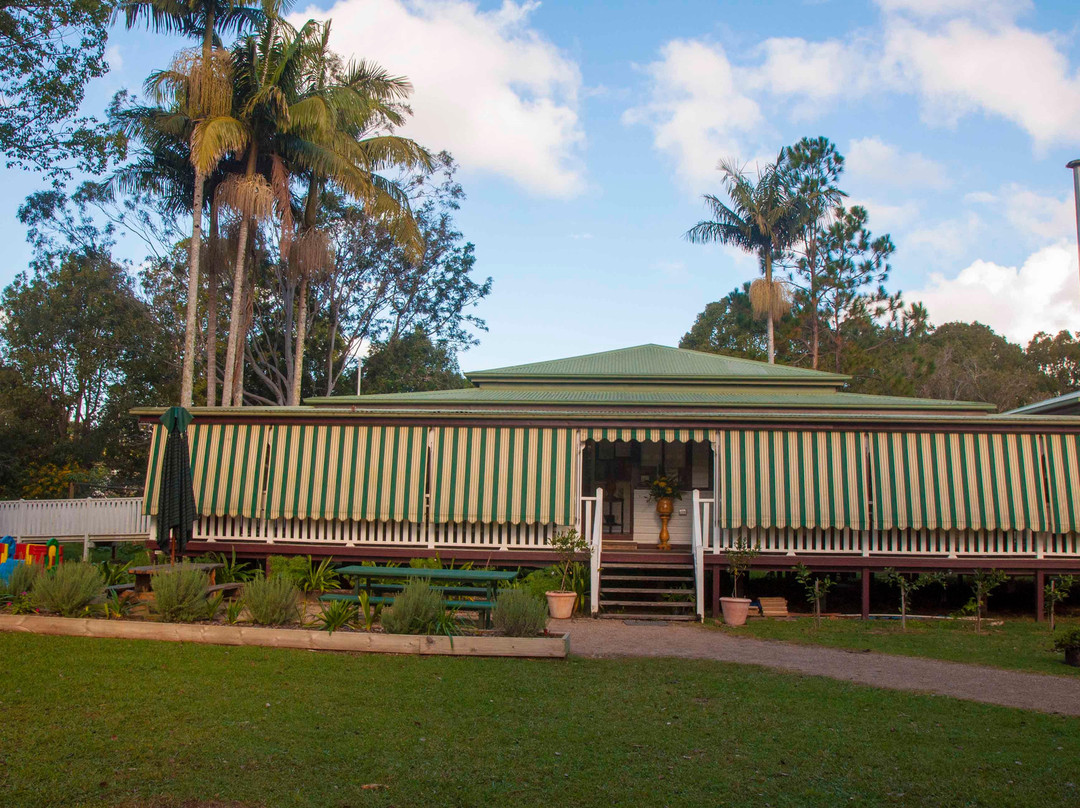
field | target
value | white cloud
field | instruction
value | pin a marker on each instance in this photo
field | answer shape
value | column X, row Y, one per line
column 1042, row 218
column 884, row 217
column 697, row 110
column 950, row 237
column 957, row 57
column 1041, row 295
column 488, row 87
column 884, row 164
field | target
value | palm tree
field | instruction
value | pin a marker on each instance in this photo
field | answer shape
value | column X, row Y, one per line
column 762, row 217
column 200, row 83
column 330, row 139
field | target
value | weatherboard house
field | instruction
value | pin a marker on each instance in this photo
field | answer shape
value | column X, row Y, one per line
column 776, row 456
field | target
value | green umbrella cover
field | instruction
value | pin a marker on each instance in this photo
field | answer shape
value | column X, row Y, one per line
column 176, row 505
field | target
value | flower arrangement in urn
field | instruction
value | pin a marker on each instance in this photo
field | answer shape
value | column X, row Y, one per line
column 664, row 488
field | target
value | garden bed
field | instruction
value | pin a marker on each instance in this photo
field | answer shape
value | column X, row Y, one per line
column 556, row 646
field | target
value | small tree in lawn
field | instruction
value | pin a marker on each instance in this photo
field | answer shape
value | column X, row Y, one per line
column 1055, row 592
column 566, row 546
column 739, row 558
column 983, row 582
column 816, row 589
column 908, row 584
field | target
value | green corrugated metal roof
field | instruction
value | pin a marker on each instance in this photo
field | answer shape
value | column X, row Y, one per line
column 736, row 398
column 655, row 363
column 1068, row 404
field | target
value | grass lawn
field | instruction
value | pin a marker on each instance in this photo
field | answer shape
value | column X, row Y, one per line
column 1020, row 644
column 133, row 723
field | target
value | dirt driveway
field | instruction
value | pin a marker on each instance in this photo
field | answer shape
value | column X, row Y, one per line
column 1029, row 691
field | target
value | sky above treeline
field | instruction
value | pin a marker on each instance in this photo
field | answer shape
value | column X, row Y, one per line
column 588, row 131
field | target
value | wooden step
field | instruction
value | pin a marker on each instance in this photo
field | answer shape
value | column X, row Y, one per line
column 622, row 565
column 655, row 578
column 643, row 590
column 642, row 616
column 667, row 604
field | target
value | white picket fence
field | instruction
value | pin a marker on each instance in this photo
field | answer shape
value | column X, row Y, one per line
column 95, row 519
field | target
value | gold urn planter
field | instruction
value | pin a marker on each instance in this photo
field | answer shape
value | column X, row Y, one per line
column 665, row 507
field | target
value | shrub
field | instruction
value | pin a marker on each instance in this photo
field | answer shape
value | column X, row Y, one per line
column 272, row 601
column 337, row 614
column 538, row 582
column 291, row 567
column 116, row 572
column 180, row 596
column 519, row 613
column 68, row 589
column 1068, row 641
column 231, row 571
column 419, row 609
column 22, row 579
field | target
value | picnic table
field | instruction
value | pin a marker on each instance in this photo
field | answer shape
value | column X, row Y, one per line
column 478, row 583
column 144, row 574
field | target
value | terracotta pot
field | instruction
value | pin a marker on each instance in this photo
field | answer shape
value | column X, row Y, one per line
column 665, row 506
column 735, row 610
column 561, row 604
column 1072, row 657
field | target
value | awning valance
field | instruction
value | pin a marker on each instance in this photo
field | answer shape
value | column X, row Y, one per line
column 1063, row 472
column 227, row 464
column 502, row 474
column 792, row 479
column 957, row 481
column 372, row 473
column 642, row 435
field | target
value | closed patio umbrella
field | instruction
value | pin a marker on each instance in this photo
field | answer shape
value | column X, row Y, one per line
column 176, row 504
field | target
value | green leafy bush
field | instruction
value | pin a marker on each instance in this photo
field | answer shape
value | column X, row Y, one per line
column 180, row 596
column 272, row 601
column 116, row 572
column 231, row 571
column 419, row 609
column 291, row 567
column 1068, row 640
column 337, row 614
column 540, row 581
column 69, row 588
column 519, row 613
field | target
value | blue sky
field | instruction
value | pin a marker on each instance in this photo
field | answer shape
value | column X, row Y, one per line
column 587, row 133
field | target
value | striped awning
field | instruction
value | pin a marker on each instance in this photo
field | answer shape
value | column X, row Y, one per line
column 371, row 473
column 792, row 479
column 502, row 474
column 1063, row 472
column 642, row 435
column 227, row 464
column 957, row 481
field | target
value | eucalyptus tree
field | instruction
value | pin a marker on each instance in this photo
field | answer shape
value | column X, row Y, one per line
column 761, row 216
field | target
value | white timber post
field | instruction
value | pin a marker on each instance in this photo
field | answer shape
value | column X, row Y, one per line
column 86, row 547
column 597, row 541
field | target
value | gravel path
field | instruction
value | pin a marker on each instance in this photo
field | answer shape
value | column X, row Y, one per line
column 1029, row 691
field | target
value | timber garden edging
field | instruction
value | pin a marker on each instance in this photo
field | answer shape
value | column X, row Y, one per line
column 555, row 647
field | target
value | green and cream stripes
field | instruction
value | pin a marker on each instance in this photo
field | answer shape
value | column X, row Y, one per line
column 502, row 474
column 643, row 435
column 788, row 479
column 957, row 481
column 227, row 464
column 1063, row 474
column 372, row 473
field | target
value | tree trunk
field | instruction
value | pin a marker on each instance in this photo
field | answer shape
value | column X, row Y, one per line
column 187, row 375
column 311, row 208
column 212, row 310
column 769, row 318
column 235, row 310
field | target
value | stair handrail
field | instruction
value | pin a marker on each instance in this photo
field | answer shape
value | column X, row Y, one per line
column 697, row 550
column 596, row 540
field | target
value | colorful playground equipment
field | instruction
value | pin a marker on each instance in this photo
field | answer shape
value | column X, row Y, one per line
column 13, row 553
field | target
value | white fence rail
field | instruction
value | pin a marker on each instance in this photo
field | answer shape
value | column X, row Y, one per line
column 95, row 519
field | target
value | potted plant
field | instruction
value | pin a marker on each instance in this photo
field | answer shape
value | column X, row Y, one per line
column 738, row 557
column 567, row 545
column 1069, row 642
column 664, row 489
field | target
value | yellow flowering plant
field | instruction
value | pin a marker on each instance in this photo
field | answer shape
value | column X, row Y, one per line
column 664, row 485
